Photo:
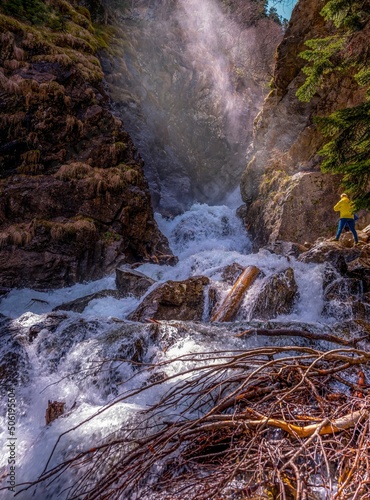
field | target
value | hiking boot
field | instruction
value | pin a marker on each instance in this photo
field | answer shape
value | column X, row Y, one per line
column 334, row 239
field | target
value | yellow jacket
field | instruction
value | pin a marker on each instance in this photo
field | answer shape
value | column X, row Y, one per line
column 345, row 208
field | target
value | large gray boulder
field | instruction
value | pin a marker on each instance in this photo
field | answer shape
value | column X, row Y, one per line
column 174, row 300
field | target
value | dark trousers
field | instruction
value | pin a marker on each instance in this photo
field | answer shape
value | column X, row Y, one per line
column 347, row 222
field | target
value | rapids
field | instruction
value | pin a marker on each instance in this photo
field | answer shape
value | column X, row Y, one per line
column 84, row 359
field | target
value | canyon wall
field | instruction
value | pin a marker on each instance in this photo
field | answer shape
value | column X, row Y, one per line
column 286, row 196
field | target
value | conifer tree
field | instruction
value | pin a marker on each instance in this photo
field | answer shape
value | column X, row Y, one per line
column 347, row 151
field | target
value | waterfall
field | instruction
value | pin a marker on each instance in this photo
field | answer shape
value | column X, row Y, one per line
column 188, row 82
column 84, row 359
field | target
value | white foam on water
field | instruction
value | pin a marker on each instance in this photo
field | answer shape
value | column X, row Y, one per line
column 19, row 301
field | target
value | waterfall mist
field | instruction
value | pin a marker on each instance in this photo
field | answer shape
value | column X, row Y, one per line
column 188, row 82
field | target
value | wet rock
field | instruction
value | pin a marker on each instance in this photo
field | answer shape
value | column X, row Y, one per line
column 14, row 362
column 359, row 268
column 344, row 299
column 362, row 262
column 130, row 282
column 330, row 274
column 180, row 300
column 361, row 309
column 79, row 305
column 54, row 410
column 231, row 273
column 277, row 296
column 342, row 289
column 50, row 322
column 33, row 332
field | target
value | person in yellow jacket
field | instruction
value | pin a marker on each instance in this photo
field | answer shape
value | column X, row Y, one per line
column 346, row 214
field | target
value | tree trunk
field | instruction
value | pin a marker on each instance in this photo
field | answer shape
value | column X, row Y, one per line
column 229, row 307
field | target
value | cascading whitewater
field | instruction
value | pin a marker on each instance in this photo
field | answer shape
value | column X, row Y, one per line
column 87, row 360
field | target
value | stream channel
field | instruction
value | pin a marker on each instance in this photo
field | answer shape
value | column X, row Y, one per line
column 79, row 359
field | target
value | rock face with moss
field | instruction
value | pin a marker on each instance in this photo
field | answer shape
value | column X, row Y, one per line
column 74, row 201
column 286, row 195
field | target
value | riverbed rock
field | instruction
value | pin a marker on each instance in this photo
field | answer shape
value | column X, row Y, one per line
column 15, row 364
column 80, row 304
column 277, row 296
column 286, row 195
column 131, row 282
column 288, row 248
column 344, row 299
column 174, row 300
column 330, row 252
column 231, row 273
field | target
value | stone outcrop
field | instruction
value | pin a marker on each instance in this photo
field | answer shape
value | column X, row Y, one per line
column 130, row 282
column 231, row 273
column 174, row 300
column 80, row 304
column 277, row 296
column 286, row 195
column 346, row 278
column 74, row 200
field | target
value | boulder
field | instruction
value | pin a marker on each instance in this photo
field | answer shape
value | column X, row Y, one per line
column 131, row 282
column 288, row 248
column 231, row 273
column 343, row 289
column 174, row 300
column 343, row 306
column 277, row 296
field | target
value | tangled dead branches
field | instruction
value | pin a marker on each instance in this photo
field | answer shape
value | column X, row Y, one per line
column 273, row 422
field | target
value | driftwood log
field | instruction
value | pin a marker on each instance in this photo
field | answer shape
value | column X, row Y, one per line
column 227, row 310
column 54, row 410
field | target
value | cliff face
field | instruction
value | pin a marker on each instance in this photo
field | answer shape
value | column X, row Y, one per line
column 286, row 195
column 74, row 201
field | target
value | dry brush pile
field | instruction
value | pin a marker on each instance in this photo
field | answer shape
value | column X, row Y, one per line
column 283, row 422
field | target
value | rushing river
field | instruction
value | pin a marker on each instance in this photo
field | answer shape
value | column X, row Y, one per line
column 73, row 357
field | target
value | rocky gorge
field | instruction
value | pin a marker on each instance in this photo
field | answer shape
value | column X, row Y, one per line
column 282, row 186
column 74, row 199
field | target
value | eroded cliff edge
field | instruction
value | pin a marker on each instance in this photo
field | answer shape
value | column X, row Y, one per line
column 286, row 195
column 74, row 200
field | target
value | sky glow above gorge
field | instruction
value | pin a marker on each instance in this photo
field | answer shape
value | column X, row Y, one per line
column 284, row 8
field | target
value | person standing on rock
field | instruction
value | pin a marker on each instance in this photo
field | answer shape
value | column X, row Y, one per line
column 345, row 209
